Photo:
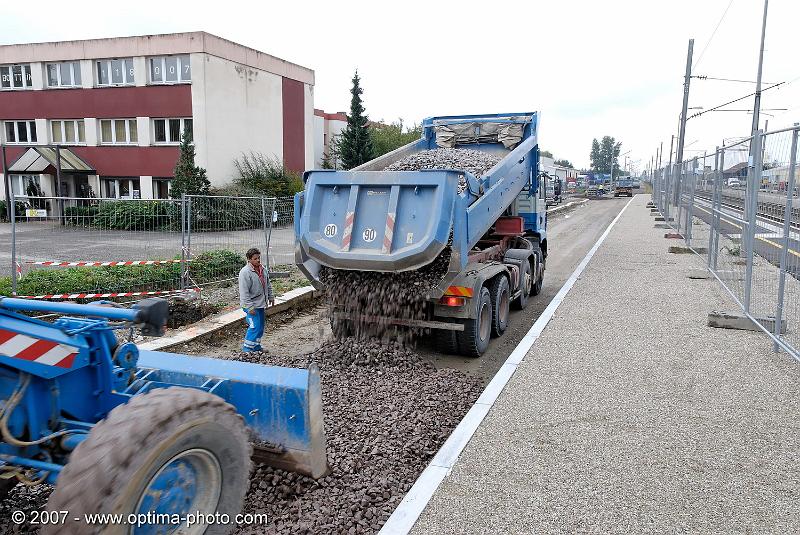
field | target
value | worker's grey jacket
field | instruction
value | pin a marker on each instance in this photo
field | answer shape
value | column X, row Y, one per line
column 252, row 293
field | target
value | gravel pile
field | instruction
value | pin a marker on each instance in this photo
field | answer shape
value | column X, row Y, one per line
column 475, row 161
column 386, row 414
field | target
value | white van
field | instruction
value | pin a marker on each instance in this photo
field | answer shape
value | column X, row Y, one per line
column 734, row 182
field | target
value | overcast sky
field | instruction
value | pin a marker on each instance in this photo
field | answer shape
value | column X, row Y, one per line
column 592, row 68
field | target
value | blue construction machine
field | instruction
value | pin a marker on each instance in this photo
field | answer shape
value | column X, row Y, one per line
column 371, row 219
column 147, row 435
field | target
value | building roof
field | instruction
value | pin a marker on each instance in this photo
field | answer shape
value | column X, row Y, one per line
column 39, row 159
column 155, row 45
column 336, row 116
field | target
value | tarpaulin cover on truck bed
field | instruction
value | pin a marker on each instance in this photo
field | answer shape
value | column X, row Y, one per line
column 450, row 135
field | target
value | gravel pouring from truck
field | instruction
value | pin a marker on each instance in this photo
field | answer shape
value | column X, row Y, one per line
column 370, row 219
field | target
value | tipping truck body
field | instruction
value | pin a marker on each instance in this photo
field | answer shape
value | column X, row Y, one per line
column 371, row 219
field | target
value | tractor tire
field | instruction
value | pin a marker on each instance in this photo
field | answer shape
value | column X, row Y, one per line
column 172, row 450
column 6, row 485
column 526, row 286
column 474, row 339
column 499, row 294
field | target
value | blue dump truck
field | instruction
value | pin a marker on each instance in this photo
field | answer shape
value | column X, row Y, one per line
column 372, row 219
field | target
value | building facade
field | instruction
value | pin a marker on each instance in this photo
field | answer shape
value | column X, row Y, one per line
column 119, row 107
column 327, row 128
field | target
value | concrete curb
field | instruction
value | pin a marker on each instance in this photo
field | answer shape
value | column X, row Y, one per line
column 210, row 325
column 413, row 504
column 564, row 207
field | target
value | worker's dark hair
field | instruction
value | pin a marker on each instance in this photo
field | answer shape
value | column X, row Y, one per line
column 252, row 252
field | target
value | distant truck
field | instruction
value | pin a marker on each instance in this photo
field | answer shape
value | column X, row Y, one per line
column 623, row 187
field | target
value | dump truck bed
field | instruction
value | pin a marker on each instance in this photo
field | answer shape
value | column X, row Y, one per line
column 372, row 219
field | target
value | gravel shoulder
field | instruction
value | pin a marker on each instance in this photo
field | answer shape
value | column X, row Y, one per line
column 630, row 414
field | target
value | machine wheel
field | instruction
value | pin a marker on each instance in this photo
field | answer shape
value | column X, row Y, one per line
column 172, row 450
column 446, row 342
column 474, row 339
column 499, row 293
column 526, row 286
column 537, row 286
column 6, row 485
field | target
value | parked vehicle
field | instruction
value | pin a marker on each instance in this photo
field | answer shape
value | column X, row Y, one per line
column 734, row 183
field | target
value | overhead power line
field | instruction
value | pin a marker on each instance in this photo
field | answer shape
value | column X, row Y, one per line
column 699, row 77
column 698, row 114
column 712, row 35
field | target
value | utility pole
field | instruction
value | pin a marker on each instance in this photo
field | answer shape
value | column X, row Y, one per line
column 682, row 135
column 757, row 104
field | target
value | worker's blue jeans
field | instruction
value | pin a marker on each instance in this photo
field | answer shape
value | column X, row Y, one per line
column 255, row 330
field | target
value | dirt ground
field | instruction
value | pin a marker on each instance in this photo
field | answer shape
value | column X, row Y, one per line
column 572, row 232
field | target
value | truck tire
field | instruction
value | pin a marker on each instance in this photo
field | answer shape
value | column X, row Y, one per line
column 537, row 285
column 474, row 339
column 499, row 293
column 445, row 342
column 172, row 450
column 526, row 286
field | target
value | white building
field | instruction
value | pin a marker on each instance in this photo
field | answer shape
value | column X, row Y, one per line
column 117, row 108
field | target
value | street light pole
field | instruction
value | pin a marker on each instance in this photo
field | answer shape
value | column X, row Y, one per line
column 682, row 134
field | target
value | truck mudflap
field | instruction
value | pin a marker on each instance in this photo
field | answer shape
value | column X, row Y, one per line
column 377, row 220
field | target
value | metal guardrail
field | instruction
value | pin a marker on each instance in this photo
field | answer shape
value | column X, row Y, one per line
column 740, row 213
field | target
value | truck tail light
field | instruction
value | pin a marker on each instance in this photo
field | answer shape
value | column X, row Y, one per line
column 452, row 301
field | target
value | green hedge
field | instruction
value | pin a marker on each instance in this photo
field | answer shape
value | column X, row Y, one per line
column 209, row 214
column 206, row 267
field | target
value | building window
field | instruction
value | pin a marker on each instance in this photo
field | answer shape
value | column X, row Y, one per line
column 161, row 187
column 115, row 72
column 25, row 185
column 20, row 131
column 169, row 131
column 64, row 74
column 16, row 76
column 120, row 188
column 68, row 131
column 118, row 132
column 170, row 69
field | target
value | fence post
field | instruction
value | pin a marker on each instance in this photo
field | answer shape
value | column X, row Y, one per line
column 713, row 242
column 267, row 233
column 690, row 212
column 184, row 265
column 12, row 212
column 188, row 237
column 751, row 201
column 787, row 218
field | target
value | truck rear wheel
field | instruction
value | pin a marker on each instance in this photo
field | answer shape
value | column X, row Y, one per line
column 526, row 286
column 474, row 339
column 170, row 451
column 498, row 291
column 539, row 278
column 445, row 342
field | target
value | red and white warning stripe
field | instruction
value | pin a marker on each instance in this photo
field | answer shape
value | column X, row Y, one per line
column 56, row 263
column 95, row 296
column 20, row 346
column 389, row 233
column 347, row 233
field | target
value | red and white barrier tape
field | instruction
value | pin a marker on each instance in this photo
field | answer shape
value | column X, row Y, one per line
column 96, row 295
column 56, row 263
